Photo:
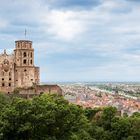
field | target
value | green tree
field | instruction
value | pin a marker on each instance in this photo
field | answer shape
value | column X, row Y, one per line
column 4, row 101
column 90, row 113
column 135, row 127
column 107, row 117
column 120, row 129
column 48, row 117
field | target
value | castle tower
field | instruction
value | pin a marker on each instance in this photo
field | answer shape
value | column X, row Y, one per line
column 24, row 53
column 26, row 74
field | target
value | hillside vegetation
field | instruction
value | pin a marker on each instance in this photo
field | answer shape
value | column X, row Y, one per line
column 50, row 117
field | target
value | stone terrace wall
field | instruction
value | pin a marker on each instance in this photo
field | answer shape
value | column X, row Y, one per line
column 39, row 89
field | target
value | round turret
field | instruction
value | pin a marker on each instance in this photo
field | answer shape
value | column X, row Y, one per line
column 24, row 53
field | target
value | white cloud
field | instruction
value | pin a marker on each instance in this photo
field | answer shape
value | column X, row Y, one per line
column 107, row 32
column 64, row 25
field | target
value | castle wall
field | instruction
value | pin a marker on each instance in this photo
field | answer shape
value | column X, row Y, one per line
column 24, row 76
column 37, row 78
column 6, row 72
column 39, row 89
column 18, row 70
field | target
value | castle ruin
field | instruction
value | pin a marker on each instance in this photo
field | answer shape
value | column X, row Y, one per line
column 17, row 69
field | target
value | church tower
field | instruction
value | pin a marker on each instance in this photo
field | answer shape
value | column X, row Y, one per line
column 26, row 74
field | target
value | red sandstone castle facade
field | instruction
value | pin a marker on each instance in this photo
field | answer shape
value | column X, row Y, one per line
column 17, row 69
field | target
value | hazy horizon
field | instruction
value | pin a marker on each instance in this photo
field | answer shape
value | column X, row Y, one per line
column 57, row 82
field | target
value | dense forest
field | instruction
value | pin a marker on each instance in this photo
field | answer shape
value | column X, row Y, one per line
column 51, row 117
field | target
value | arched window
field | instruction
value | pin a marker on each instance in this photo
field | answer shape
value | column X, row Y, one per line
column 3, row 84
column 31, row 55
column 24, row 54
column 24, row 61
column 31, row 62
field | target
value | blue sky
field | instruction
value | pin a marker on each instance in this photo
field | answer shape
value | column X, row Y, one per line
column 77, row 40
